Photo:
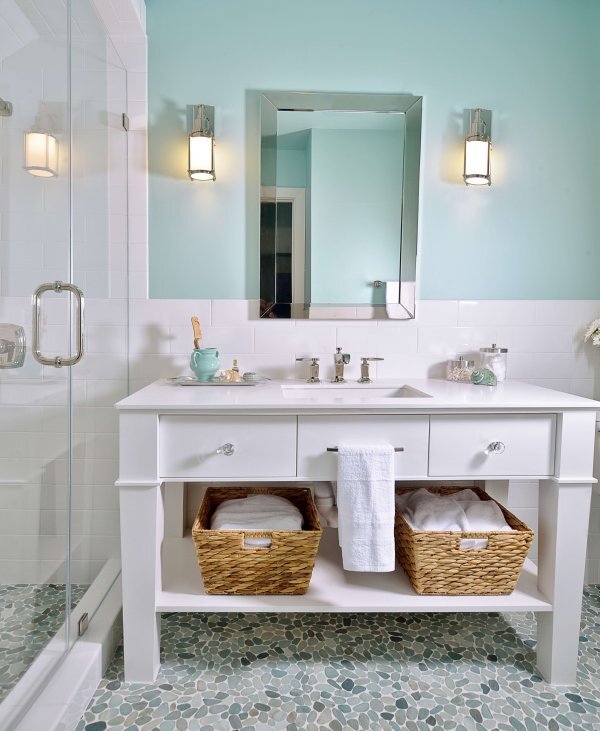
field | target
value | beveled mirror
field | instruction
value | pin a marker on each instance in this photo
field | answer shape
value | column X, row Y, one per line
column 339, row 201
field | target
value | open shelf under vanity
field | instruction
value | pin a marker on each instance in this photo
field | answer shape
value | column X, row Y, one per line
column 331, row 589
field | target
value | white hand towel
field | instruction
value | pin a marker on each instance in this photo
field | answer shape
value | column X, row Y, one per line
column 257, row 512
column 365, row 498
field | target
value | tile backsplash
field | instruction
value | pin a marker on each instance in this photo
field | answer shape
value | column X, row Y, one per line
column 544, row 339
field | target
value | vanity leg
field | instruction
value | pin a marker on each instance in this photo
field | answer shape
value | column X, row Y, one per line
column 141, row 538
column 564, row 513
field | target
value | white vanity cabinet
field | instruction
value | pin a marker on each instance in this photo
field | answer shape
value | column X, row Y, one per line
column 170, row 434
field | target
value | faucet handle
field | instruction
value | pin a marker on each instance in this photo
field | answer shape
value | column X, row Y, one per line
column 364, row 369
column 314, row 368
column 344, row 356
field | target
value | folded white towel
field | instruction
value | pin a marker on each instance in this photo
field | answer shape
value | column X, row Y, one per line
column 365, row 499
column 257, row 512
column 460, row 511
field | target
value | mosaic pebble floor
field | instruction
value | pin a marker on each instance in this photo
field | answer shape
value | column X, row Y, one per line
column 30, row 615
column 325, row 672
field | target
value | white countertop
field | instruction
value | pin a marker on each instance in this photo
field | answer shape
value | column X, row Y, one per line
column 444, row 396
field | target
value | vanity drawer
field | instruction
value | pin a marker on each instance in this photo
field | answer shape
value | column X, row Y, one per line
column 263, row 446
column 316, row 433
column 459, row 446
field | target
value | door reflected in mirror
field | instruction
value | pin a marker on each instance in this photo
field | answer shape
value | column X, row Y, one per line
column 339, row 205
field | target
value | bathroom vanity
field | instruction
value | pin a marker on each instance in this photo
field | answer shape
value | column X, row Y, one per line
column 281, row 432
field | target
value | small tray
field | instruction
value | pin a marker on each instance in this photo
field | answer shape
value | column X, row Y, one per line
column 191, row 381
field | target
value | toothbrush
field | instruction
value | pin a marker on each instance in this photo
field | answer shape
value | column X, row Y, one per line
column 197, row 332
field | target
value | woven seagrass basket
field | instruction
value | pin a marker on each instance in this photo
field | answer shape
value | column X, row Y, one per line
column 229, row 567
column 435, row 563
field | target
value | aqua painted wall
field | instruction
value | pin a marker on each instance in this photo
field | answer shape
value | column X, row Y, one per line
column 534, row 234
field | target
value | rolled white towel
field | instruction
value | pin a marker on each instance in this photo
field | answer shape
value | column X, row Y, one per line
column 461, row 511
column 484, row 515
column 424, row 510
column 257, row 512
column 466, row 496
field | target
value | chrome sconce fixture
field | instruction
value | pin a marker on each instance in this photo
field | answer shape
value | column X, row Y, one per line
column 41, row 154
column 201, row 152
column 478, row 147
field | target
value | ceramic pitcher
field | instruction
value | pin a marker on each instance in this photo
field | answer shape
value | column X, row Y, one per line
column 205, row 363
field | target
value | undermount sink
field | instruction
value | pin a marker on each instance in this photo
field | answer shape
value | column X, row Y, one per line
column 368, row 391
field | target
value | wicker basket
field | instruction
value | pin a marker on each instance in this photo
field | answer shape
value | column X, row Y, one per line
column 435, row 563
column 229, row 567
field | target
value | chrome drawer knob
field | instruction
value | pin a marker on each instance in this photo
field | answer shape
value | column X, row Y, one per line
column 227, row 449
column 495, row 448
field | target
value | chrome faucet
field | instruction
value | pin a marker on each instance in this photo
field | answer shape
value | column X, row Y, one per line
column 339, row 361
column 314, row 369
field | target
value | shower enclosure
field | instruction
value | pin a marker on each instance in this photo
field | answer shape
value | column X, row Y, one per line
column 63, row 238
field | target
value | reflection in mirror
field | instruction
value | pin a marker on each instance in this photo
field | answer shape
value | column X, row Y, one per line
column 339, row 204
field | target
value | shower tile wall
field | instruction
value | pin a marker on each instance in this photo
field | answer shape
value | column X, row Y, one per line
column 34, row 245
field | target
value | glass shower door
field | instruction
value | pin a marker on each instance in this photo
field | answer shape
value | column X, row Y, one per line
column 35, row 399
column 63, row 229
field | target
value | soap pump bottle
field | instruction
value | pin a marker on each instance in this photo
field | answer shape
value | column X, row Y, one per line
column 235, row 372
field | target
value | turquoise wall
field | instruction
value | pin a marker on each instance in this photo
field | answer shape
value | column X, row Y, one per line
column 533, row 234
column 355, row 225
column 290, row 167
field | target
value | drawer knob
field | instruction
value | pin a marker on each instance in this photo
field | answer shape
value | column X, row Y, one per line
column 495, row 448
column 227, row 449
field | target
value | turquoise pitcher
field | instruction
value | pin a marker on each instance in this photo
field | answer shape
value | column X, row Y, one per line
column 205, row 363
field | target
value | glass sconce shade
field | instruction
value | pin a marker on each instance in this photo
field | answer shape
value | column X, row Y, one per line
column 478, row 146
column 41, row 154
column 201, row 154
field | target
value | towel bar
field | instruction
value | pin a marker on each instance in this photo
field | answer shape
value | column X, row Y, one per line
column 335, row 449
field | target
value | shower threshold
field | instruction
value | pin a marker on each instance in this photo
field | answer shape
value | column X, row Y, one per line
column 58, row 684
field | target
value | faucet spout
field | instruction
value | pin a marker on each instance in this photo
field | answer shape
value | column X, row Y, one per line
column 339, row 361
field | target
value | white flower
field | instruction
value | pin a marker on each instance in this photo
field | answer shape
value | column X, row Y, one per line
column 593, row 332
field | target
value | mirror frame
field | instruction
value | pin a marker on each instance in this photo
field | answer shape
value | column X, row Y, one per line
column 401, row 307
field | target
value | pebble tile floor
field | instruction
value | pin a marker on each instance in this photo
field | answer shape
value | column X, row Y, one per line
column 338, row 672
column 30, row 615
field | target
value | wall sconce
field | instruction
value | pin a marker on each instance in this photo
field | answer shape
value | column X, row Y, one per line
column 41, row 154
column 478, row 148
column 201, row 158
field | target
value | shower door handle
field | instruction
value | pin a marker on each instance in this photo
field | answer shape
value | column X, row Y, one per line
column 58, row 287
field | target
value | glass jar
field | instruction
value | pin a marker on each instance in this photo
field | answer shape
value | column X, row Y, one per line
column 495, row 359
column 459, row 370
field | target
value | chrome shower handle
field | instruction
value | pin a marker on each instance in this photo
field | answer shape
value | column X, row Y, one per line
column 58, row 287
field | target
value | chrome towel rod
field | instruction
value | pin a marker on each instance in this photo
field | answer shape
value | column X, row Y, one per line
column 336, row 449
